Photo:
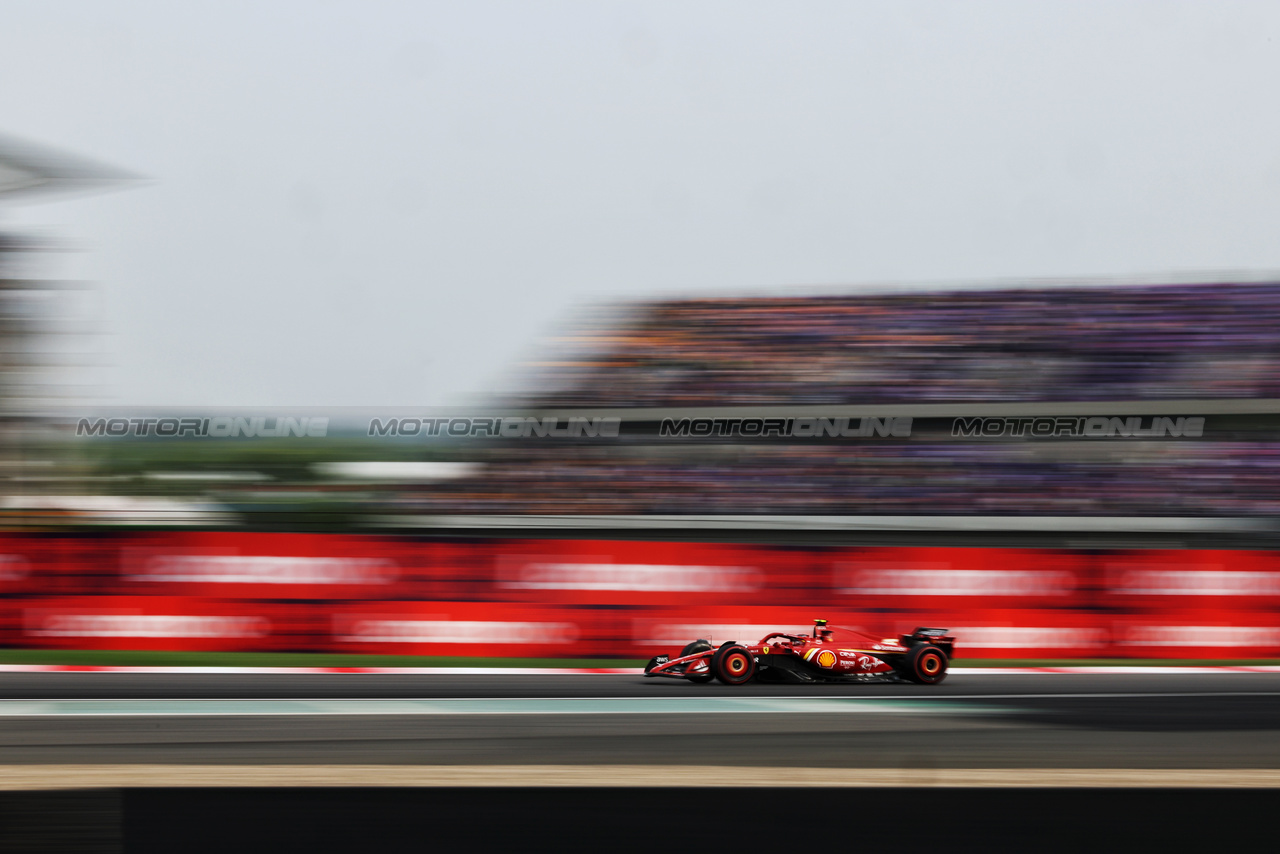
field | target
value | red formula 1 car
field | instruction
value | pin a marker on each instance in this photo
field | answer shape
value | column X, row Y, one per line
column 828, row 655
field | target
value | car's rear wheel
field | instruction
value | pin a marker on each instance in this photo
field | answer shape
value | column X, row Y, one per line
column 733, row 664
column 926, row 664
column 693, row 649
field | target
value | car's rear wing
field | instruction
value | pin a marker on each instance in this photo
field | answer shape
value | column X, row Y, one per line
column 937, row 637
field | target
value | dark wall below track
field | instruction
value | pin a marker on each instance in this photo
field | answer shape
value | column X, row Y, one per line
column 641, row 820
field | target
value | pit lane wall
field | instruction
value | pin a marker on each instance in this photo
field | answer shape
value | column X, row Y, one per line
column 222, row 591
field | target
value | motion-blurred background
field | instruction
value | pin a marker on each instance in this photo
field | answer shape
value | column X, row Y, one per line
column 1041, row 241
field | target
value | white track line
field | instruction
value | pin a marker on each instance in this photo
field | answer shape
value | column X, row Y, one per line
column 692, row 704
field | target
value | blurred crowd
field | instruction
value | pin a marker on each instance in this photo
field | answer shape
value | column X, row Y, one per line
column 1081, row 343
column 1087, row 343
column 1147, row 479
column 1094, row 343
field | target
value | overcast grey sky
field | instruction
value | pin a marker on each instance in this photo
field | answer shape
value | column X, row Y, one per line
column 364, row 203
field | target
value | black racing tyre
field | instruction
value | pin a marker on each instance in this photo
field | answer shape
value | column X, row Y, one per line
column 693, row 649
column 733, row 664
column 926, row 664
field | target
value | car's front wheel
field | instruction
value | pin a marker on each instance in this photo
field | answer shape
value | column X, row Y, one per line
column 733, row 664
column 692, row 649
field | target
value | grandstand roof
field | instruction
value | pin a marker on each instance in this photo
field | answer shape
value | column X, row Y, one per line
column 27, row 170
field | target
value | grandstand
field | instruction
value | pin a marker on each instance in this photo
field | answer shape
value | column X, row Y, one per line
column 1162, row 342
column 1208, row 353
column 29, row 319
column 37, row 341
column 1200, row 351
column 1154, row 348
column 36, row 172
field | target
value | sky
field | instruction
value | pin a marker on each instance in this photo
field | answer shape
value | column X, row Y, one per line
column 392, row 204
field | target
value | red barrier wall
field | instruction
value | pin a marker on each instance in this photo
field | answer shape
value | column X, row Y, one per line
column 577, row 598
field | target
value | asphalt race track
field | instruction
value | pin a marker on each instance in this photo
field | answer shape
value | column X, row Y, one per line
column 280, row 762
column 1227, row 720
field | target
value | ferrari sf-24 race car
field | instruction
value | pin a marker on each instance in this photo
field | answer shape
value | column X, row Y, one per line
column 922, row 656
